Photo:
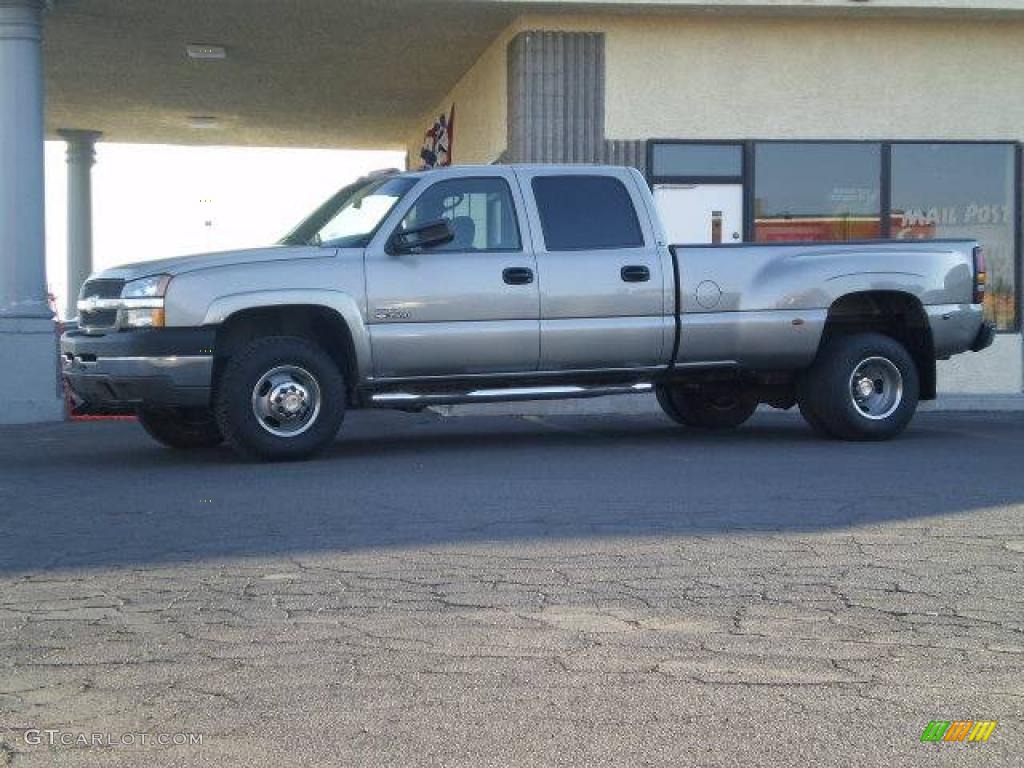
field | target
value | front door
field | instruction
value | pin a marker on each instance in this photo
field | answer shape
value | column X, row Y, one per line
column 470, row 306
column 700, row 213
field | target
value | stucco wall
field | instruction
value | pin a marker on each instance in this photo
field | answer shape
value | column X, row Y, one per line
column 997, row 370
column 771, row 77
column 898, row 78
column 480, row 99
column 699, row 76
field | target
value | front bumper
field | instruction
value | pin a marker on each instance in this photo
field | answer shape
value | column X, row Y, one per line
column 153, row 366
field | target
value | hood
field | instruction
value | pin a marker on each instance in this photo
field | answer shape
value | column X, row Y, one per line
column 180, row 264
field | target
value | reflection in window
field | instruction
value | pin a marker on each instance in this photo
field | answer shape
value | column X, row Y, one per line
column 808, row 191
column 697, row 160
column 361, row 211
column 480, row 210
column 961, row 191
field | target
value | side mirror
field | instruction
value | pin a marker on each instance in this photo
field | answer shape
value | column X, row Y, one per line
column 427, row 235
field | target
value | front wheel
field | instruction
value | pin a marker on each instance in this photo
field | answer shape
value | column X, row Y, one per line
column 706, row 410
column 185, row 429
column 861, row 387
column 280, row 398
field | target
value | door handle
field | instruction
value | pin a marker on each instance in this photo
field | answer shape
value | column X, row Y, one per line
column 635, row 274
column 517, row 275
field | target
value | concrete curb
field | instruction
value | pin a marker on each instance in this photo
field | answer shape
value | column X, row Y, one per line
column 646, row 405
column 980, row 402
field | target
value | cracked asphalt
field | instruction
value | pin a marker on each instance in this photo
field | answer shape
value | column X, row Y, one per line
column 501, row 591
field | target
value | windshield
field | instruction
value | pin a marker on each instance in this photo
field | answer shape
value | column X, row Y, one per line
column 351, row 217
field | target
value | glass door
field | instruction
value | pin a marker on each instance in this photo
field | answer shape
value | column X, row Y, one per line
column 700, row 213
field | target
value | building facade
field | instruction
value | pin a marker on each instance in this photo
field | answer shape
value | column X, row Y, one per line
column 765, row 128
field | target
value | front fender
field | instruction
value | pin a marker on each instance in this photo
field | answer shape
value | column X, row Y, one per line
column 347, row 307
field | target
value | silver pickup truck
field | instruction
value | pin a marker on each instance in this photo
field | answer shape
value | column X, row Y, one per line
column 485, row 284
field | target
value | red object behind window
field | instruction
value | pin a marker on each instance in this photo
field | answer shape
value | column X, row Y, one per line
column 980, row 276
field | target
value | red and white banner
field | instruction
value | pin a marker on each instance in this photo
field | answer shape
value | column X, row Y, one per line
column 437, row 142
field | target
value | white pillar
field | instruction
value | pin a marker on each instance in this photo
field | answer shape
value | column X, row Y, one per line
column 29, row 389
column 81, row 157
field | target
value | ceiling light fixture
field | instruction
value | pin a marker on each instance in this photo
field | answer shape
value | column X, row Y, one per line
column 203, row 121
column 206, row 52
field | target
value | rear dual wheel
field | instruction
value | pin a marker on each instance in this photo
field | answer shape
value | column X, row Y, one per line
column 721, row 409
column 861, row 387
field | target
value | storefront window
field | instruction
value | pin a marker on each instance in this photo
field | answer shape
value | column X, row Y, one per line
column 817, row 191
column 697, row 160
column 965, row 191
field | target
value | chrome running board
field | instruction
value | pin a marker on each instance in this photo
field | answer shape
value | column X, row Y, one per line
column 504, row 395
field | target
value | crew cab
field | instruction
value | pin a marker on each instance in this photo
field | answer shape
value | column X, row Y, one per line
column 497, row 283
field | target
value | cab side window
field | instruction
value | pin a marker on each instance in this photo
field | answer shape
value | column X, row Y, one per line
column 586, row 213
column 480, row 210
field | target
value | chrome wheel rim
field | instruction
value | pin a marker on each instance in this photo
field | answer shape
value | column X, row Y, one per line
column 876, row 388
column 286, row 401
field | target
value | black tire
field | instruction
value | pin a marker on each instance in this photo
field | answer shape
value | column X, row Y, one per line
column 813, row 421
column 662, row 393
column 302, row 376
column 705, row 410
column 186, row 429
column 827, row 393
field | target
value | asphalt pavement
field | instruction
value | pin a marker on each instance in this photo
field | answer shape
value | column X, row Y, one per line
column 514, row 591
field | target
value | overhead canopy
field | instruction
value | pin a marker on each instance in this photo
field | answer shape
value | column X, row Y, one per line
column 313, row 73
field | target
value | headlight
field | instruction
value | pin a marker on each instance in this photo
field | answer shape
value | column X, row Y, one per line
column 142, row 318
column 140, row 305
column 142, row 302
column 146, row 288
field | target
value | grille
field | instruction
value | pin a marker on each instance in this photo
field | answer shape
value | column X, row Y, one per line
column 101, row 318
column 101, row 289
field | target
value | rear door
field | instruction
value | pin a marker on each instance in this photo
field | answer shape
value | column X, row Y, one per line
column 466, row 307
column 603, row 284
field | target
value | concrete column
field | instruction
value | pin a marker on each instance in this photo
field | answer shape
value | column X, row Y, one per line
column 28, row 389
column 556, row 102
column 22, row 262
column 81, row 157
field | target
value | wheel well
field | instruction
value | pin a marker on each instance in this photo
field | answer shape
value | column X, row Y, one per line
column 898, row 315
column 319, row 324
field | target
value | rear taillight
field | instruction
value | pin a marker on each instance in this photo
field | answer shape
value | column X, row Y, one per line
column 980, row 276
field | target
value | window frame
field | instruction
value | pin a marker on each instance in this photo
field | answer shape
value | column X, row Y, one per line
column 515, row 208
column 692, row 178
column 885, row 189
column 606, row 176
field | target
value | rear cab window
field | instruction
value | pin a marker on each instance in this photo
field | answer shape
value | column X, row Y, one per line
column 586, row 212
